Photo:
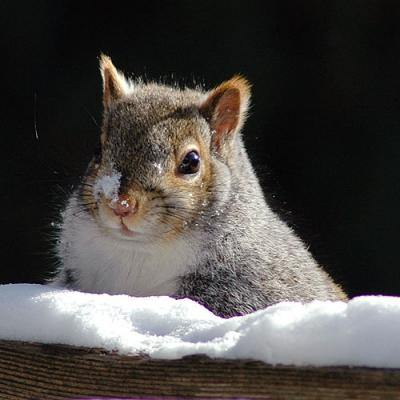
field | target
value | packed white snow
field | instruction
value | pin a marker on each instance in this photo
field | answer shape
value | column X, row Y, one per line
column 363, row 332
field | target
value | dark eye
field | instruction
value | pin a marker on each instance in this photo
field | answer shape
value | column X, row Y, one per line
column 190, row 164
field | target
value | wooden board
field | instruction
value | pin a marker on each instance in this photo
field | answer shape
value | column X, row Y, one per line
column 38, row 371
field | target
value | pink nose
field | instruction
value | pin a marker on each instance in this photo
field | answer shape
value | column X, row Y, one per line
column 123, row 206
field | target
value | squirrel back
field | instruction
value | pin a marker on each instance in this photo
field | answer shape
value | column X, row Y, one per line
column 170, row 205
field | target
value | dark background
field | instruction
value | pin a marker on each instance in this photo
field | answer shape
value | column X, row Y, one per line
column 324, row 131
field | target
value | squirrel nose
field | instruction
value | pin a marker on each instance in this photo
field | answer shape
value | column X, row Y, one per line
column 123, row 206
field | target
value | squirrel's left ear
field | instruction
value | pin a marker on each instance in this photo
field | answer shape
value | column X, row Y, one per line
column 115, row 85
column 226, row 107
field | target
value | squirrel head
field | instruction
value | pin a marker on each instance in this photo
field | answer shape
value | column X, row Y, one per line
column 165, row 156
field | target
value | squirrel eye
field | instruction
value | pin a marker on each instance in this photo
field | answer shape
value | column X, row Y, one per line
column 190, row 164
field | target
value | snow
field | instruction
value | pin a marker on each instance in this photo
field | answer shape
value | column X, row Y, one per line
column 363, row 332
column 107, row 185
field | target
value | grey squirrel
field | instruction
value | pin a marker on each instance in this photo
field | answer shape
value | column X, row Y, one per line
column 170, row 205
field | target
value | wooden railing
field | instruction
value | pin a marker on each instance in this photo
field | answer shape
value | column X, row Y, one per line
column 39, row 371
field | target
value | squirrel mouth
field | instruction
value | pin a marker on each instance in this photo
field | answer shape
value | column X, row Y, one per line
column 126, row 231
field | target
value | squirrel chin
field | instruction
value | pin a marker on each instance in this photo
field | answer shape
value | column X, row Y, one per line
column 127, row 232
column 123, row 233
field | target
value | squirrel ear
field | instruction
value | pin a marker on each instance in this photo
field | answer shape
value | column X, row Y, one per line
column 225, row 108
column 115, row 85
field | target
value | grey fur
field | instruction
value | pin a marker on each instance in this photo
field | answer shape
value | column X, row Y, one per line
column 246, row 257
column 253, row 258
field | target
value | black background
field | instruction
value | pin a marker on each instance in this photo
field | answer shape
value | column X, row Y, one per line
column 324, row 130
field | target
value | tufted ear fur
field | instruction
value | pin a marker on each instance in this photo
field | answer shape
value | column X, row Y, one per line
column 115, row 85
column 225, row 109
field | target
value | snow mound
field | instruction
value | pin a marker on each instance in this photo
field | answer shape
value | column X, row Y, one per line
column 363, row 332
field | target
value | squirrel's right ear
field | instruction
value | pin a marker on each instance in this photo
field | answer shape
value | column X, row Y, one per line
column 115, row 85
column 225, row 109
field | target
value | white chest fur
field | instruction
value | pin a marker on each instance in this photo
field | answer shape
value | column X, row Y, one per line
column 103, row 264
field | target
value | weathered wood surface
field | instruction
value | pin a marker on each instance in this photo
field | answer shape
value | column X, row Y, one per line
column 38, row 371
